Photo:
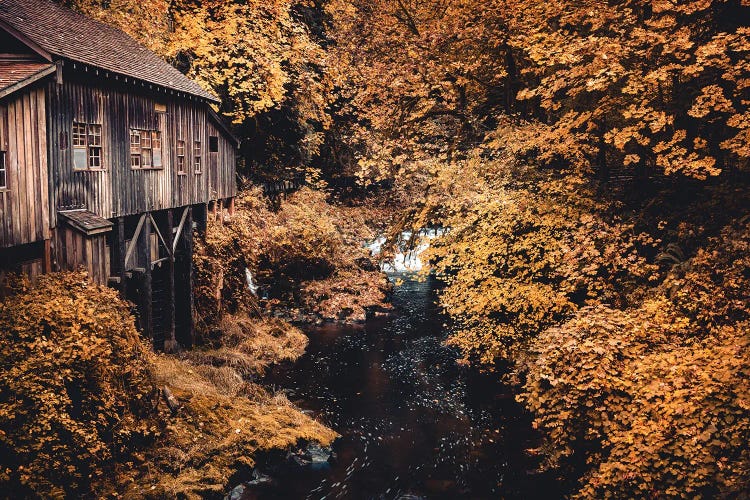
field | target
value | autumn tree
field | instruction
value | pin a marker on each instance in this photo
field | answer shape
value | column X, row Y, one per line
column 76, row 388
column 414, row 78
column 590, row 162
column 584, row 241
column 264, row 59
column 655, row 87
column 653, row 400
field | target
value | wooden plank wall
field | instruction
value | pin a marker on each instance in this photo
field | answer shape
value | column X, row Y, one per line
column 118, row 190
column 24, row 214
column 75, row 250
column 222, row 182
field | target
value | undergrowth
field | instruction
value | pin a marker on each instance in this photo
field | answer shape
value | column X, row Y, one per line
column 307, row 259
column 82, row 412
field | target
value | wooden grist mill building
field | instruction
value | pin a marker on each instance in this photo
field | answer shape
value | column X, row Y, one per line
column 109, row 158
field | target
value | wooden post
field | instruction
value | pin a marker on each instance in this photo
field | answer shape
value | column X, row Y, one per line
column 189, row 278
column 118, row 254
column 145, row 299
column 202, row 218
column 47, row 264
column 221, row 212
column 231, row 206
column 170, row 342
column 214, row 209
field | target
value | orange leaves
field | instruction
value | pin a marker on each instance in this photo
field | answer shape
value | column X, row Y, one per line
column 525, row 250
column 739, row 144
column 711, row 100
column 636, row 74
column 246, row 49
column 307, row 255
column 413, row 74
column 75, row 385
column 654, row 397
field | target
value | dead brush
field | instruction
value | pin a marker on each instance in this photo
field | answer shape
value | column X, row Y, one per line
column 250, row 345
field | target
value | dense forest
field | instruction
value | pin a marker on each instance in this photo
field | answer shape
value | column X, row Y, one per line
column 590, row 160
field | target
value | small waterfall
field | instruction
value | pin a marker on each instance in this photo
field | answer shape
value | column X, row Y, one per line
column 410, row 247
column 250, row 283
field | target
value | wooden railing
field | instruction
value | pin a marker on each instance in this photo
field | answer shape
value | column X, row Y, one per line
column 283, row 187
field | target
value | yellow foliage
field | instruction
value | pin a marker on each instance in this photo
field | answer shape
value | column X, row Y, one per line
column 80, row 409
column 76, row 392
column 524, row 251
column 301, row 253
column 654, row 399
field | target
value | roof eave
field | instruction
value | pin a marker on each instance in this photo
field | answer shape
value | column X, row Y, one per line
column 223, row 125
column 208, row 97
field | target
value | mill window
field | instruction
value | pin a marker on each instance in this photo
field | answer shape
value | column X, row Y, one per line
column 3, row 171
column 197, row 155
column 87, row 146
column 145, row 148
column 79, row 135
column 213, row 144
column 180, row 156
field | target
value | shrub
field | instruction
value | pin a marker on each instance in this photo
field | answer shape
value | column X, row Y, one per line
column 250, row 346
column 298, row 254
column 653, row 401
column 76, row 392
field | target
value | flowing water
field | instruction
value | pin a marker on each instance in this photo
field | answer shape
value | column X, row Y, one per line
column 413, row 424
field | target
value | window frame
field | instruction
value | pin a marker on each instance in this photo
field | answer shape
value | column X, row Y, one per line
column 148, row 142
column 3, row 171
column 197, row 157
column 78, row 132
column 87, row 137
column 135, row 156
column 180, row 147
column 135, row 133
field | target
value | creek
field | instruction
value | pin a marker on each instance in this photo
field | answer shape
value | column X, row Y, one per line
column 413, row 423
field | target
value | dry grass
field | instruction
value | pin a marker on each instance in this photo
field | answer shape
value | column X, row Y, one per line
column 249, row 346
column 222, row 423
column 224, row 419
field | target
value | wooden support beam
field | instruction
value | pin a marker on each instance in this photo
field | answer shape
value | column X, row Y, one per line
column 164, row 241
column 200, row 214
column 231, row 206
column 170, row 342
column 188, row 279
column 221, row 212
column 145, row 306
column 180, row 228
column 118, row 254
column 133, row 242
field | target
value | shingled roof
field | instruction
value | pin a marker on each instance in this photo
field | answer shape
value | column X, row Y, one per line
column 66, row 34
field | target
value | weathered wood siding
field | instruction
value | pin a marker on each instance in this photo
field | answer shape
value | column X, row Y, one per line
column 75, row 250
column 117, row 189
column 24, row 203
